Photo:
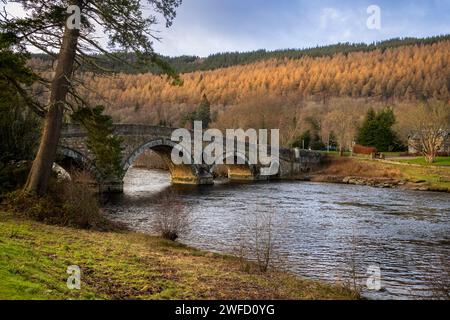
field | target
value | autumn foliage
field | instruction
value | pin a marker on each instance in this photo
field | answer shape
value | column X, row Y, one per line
column 283, row 93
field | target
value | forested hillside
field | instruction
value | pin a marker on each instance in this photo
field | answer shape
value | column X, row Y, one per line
column 186, row 64
column 286, row 93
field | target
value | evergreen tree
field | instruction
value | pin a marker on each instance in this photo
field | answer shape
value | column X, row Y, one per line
column 377, row 131
column 101, row 139
column 366, row 134
column 303, row 141
column 202, row 113
column 19, row 127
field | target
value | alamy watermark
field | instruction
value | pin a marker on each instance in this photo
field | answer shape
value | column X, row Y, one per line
column 74, row 279
column 374, row 20
column 240, row 147
column 374, row 280
column 74, row 19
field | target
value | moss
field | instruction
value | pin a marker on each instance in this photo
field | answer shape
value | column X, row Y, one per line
column 123, row 265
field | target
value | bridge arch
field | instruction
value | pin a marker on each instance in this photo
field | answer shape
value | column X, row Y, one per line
column 70, row 159
column 238, row 171
column 180, row 174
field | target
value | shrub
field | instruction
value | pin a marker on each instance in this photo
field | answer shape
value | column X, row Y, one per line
column 13, row 175
column 171, row 219
column 259, row 245
column 67, row 203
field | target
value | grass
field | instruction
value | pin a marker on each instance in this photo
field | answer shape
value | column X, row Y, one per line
column 437, row 178
column 434, row 177
column 392, row 154
column 348, row 153
column 439, row 161
column 336, row 153
column 34, row 258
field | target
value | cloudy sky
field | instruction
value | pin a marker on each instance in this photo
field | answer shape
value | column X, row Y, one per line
column 203, row 27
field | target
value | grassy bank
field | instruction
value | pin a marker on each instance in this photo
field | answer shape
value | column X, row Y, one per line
column 435, row 178
column 34, row 258
column 439, row 161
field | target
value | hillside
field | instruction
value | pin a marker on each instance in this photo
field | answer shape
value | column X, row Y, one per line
column 186, row 64
column 285, row 92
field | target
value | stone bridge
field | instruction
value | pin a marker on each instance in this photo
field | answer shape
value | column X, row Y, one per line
column 73, row 153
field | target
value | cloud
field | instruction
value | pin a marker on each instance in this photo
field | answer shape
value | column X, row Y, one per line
column 203, row 27
column 236, row 25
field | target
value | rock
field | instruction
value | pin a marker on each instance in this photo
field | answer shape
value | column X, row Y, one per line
column 346, row 180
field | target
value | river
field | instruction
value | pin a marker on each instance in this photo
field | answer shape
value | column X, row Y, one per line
column 321, row 231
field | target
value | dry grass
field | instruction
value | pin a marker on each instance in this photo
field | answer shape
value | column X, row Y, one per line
column 359, row 168
column 433, row 178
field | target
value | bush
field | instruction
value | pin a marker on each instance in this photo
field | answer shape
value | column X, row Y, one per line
column 259, row 245
column 66, row 204
column 171, row 219
column 13, row 175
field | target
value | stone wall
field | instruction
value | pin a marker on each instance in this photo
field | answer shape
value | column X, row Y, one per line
column 296, row 162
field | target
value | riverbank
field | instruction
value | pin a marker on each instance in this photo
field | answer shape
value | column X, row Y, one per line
column 125, row 265
column 383, row 174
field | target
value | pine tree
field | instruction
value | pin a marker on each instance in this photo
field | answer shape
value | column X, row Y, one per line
column 203, row 113
column 376, row 130
column 18, row 125
column 101, row 140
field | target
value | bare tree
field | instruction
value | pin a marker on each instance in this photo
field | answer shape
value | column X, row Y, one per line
column 428, row 125
column 264, row 242
column 258, row 244
column 49, row 26
column 343, row 121
column 171, row 220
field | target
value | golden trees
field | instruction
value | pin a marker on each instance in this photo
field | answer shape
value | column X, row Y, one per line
column 273, row 92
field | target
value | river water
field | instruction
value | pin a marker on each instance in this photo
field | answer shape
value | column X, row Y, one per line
column 321, row 231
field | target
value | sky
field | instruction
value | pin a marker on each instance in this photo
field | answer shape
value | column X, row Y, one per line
column 204, row 27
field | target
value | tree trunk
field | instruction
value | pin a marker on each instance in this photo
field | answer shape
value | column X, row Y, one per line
column 430, row 157
column 41, row 170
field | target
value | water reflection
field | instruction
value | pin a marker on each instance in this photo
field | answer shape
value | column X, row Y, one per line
column 318, row 227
